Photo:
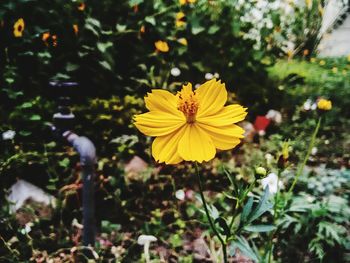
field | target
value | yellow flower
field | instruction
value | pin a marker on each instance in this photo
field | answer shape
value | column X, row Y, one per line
column 191, row 125
column 320, row 10
column 180, row 19
column 312, row 60
column 334, row 69
column 81, row 6
column 76, row 29
column 45, row 37
column 183, row 2
column 324, row 104
column 183, row 41
column 285, row 150
column 348, row 58
column 308, row 3
column 161, row 46
column 322, row 62
column 54, row 40
column 18, row 28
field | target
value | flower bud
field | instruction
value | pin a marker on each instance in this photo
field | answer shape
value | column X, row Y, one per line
column 260, row 172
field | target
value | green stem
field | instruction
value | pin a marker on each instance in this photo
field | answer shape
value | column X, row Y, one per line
column 275, row 215
column 311, row 145
column 223, row 244
column 241, row 201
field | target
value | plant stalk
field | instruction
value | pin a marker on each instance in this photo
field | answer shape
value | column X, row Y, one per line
column 223, row 243
column 311, row 145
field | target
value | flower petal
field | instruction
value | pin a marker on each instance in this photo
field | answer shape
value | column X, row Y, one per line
column 164, row 148
column 157, row 123
column 212, row 97
column 196, row 145
column 224, row 137
column 226, row 116
column 162, row 100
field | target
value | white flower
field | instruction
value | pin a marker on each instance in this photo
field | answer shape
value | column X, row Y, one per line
column 208, row 76
column 8, row 135
column 180, row 194
column 216, row 75
column 145, row 240
column 175, row 72
column 27, row 228
column 314, row 150
column 274, row 115
column 307, row 105
column 272, row 181
column 269, row 158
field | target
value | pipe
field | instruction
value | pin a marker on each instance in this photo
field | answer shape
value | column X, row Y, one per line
column 87, row 152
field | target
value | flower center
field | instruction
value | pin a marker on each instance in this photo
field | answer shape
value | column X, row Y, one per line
column 188, row 103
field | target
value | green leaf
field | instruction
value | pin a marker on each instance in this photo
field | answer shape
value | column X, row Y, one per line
column 197, row 29
column 71, row 67
column 247, row 209
column 25, row 133
column 263, row 206
column 64, row 163
column 120, row 28
column 260, row 228
column 213, row 29
column 213, row 211
column 242, row 244
column 93, row 22
column 26, row 105
column 151, row 20
column 35, row 117
column 104, row 46
column 92, row 29
column 105, row 65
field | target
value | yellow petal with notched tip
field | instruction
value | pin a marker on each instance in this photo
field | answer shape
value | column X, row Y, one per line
column 161, row 100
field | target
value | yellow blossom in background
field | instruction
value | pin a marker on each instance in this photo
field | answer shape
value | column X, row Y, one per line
column 308, row 4
column 348, row 58
column 290, row 54
column 183, row 2
column 161, row 46
column 334, row 69
column 18, row 28
column 183, row 41
column 343, row 72
column 142, row 29
column 322, row 62
column 54, row 40
column 312, row 60
column 81, row 6
column 191, row 125
column 180, row 19
column 324, row 104
column 45, row 37
column 285, row 150
column 320, row 10
column 76, row 29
